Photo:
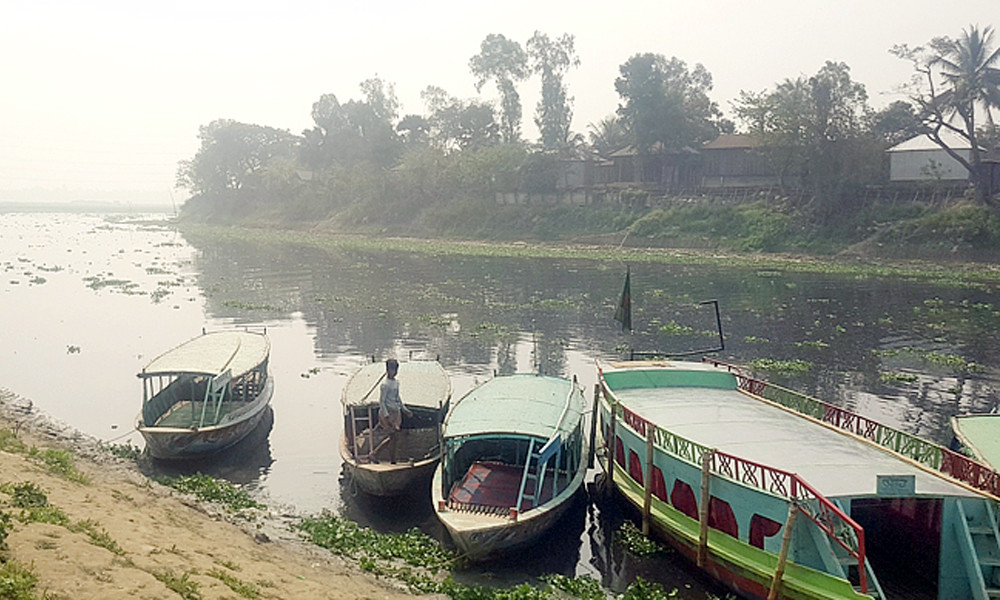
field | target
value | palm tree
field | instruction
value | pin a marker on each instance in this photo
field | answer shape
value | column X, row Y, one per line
column 969, row 69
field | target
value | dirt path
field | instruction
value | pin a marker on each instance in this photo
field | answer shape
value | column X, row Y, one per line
column 122, row 536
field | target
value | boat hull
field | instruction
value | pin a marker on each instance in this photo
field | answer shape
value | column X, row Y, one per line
column 386, row 479
column 178, row 443
column 481, row 536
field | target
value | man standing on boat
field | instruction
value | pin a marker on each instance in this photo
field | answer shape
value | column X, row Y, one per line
column 391, row 407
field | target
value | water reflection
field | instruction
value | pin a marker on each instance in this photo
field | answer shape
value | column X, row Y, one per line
column 91, row 300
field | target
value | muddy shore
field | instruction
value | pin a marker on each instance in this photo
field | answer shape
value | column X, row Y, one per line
column 121, row 535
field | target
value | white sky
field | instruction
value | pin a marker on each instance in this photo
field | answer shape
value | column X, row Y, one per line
column 107, row 96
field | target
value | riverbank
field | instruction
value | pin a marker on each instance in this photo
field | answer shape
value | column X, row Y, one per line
column 84, row 524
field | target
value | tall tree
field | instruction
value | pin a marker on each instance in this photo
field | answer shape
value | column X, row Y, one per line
column 231, row 157
column 955, row 82
column 505, row 62
column 459, row 125
column 664, row 102
column 551, row 59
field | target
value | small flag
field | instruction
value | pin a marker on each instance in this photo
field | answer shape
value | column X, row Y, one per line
column 624, row 313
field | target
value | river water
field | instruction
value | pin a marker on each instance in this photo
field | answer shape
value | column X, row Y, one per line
column 88, row 299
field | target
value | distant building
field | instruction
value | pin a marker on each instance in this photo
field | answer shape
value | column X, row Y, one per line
column 736, row 160
column 921, row 159
column 657, row 169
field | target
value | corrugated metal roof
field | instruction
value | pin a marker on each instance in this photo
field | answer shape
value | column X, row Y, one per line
column 213, row 353
column 922, row 142
column 517, row 404
column 732, row 141
column 421, row 383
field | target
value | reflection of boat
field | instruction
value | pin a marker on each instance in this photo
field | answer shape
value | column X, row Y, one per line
column 740, row 475
column 514, row 456
column 366, row 449
column 205, row 395
column 979, row 436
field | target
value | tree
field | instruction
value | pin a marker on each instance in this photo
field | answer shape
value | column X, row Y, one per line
column 505, row 62
column 896, row 123
column 814, row 129
column 552, row 59
column 955, row 81
column 609, row 134
column 665, row 103
column 459, row 125
column 232, row 156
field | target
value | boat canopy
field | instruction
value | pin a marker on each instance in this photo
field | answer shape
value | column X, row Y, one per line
column 978, row 433
column 239, row 352
column 837, row 463
column 422, row 383
column 517, row 404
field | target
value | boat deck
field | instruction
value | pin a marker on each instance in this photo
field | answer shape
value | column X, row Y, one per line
column 836, row 463
column 494, row 485
column 187, row 413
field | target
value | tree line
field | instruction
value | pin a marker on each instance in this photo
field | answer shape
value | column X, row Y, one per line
column 362, row 160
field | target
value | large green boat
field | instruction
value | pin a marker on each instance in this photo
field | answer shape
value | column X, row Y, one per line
column 779, row 495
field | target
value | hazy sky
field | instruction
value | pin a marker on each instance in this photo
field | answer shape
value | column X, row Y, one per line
column 108, row 96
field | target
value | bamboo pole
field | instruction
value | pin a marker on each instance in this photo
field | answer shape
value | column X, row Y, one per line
column 648, row 480
column 593, row 425
column 786, row 541
column 703, row 514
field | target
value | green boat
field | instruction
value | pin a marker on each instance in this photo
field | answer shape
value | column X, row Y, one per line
column 978, row 435
column 515, row 456
column 780, row 495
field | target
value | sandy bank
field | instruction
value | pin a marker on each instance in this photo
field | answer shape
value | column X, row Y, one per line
column 155, row 536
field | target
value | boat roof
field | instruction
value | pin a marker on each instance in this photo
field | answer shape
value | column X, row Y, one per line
column 517, row 404
column 213, row 353
column 421, row 383
column 837, row 463
column 981, row 435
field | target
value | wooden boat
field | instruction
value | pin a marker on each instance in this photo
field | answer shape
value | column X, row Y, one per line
column 515, row 453
column 978, row 435
column 205, row 395
column 425, row 389
column 779, row 495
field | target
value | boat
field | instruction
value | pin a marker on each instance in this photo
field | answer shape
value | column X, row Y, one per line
column 425, row 389
column 978, row 435
column 515, row 455
column 780, row 495
column 205, row 395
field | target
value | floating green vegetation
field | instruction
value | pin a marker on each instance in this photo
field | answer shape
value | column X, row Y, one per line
column 125, row 451
column 183, row 585
column 555, row 304
column 207, row 488
column 954, row 362
column 896, row 377
column 786, row 367
column 98, row 536
column 345, row 537
column 815, row 344
column 640, row 589
column 243, row 588
column 17, row 582
column 629, row 536
column 157, row 271
column 59, row 462
column 583, row 587
column 95, row 282
column 54, row 269
column 752, row 339
column 37, row 280
column 247, row 305
column 159, row 294
column 674, row 329
column 970, row 275
column 436, row 320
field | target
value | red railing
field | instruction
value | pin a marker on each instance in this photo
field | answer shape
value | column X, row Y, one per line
column 819, row 509
column 927, row 453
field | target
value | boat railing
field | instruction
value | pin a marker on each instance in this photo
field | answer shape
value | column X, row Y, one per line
column 927, row 453
column 833, row 521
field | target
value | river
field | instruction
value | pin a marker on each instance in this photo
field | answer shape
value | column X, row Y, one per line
column 88, row 299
